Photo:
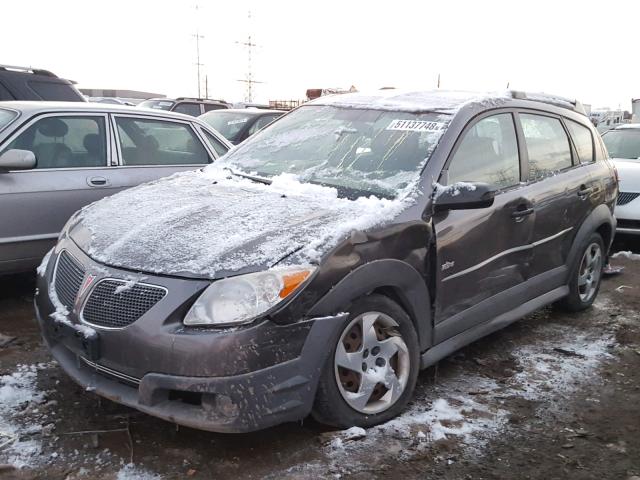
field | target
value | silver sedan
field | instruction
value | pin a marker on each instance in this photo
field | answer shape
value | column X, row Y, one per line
column 56, row 158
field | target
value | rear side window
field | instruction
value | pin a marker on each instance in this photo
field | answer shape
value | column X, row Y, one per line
column 155, row 142
column 488, row 153
column 582, row 140
column 53, row 91
column 213, row 106
column 6, row 117
column 216, row 144
column 65, row 142
column 547, row 145
column 192, row 109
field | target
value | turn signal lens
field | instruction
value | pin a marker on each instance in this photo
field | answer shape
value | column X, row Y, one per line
column 292, row 281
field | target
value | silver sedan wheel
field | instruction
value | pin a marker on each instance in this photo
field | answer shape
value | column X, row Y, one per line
column 590, row 272
column 372, row 363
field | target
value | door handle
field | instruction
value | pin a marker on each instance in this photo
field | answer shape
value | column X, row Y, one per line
column 97, row 181
column 584, row 192
column 522, row 213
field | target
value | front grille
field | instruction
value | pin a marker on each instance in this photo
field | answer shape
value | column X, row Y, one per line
column 68, row 278
column 627, row 197
column 106, row 308
column 635, row 224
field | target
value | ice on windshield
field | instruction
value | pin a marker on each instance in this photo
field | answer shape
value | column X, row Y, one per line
column 358, row 151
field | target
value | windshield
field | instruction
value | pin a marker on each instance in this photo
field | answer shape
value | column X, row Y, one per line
column 359, row 151
column 157, row 104
column 6, row 117
column 623, row 143
column 229, row 124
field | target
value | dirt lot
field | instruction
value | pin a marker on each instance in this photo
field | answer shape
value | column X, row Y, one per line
column 553, row 396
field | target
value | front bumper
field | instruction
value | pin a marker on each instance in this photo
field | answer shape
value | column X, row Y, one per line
column 224, row 381
column 628, row 216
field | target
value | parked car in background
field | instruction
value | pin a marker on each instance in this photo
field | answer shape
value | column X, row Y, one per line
column 111, row 101
column 322, row 263
column 236, row 125
column 57, row 157
column 189, row 106
column 623, row 145
column 23, row 83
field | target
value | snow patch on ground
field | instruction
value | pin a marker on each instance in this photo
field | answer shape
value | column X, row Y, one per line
column 133, row 472
column 626, row 254
column 19, row 394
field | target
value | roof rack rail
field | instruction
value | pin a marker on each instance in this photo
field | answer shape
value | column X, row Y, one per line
column 35, row 71
column 201, row 99
column 556, row 100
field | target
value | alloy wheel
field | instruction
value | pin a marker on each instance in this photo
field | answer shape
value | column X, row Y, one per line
column 590, row 272
column 372, row 363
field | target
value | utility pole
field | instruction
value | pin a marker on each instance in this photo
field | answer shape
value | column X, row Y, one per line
column 248, row 80
column 198, row 37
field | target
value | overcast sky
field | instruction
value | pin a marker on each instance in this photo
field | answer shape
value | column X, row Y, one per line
column 579, row 49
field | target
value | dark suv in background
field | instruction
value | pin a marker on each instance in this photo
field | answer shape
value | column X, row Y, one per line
column 320, row 264
column 188, row 106
column 21, row 83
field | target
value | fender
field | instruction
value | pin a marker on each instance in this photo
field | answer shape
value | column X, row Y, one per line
column 599, row 217
column 407, row 284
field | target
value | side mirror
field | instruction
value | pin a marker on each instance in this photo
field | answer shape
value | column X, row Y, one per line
column 462, row 196
column 15, row 159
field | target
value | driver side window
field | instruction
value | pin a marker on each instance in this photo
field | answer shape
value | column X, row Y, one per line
column 65, row 142
column 488, row 153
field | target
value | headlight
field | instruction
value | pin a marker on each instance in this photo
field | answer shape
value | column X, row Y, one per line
column 240, row 299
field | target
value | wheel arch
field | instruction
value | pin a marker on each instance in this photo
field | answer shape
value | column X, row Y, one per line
column 395, row 279
column 601, row 221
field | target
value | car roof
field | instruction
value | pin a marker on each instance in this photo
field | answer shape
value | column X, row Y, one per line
column 442, row 101
column 36, row 107
column 627, row 126
column 248, row 111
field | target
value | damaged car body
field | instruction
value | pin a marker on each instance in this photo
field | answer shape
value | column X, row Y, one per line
column 317, row 267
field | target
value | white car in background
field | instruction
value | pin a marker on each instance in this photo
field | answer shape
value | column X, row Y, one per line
column 623, row 144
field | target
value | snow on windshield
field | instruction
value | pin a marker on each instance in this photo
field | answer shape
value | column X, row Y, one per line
column 210, row 223
column 358, row 151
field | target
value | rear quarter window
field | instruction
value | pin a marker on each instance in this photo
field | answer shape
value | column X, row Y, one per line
column 582, row 140
column 53, row 91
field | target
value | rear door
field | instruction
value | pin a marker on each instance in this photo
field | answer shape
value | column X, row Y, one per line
column 562, row 188
column 150, row 147
column 72, row 154
column 483, row 253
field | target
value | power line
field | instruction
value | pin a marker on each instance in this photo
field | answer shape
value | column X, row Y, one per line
column 248, row 80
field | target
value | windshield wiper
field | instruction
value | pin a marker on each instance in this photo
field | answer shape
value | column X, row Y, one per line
column 254, row 178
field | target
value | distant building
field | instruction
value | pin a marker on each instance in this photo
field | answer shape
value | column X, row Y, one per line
column 605, row 119
column 115, row 93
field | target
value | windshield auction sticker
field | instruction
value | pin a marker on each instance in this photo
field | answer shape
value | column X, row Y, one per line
column 415, row 126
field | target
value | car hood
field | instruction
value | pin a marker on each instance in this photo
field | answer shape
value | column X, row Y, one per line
column 629, row 173
column 210, row 224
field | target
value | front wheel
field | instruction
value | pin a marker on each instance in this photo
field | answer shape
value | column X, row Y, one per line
column 586, row 276
column 372, row 370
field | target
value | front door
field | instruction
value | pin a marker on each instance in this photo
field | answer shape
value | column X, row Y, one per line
column 485, row 252
column 72, row 154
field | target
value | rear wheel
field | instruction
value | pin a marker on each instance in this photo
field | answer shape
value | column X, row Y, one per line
column 371, row 372
column 586, row 276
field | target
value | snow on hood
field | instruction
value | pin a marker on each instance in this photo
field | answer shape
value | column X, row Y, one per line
column 209, row 224
column 449, row 101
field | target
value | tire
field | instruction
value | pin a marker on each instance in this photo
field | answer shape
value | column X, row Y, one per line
column 584, row 286
column 390, row 377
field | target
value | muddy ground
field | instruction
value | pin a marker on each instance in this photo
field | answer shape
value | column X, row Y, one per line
column 553, row 396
